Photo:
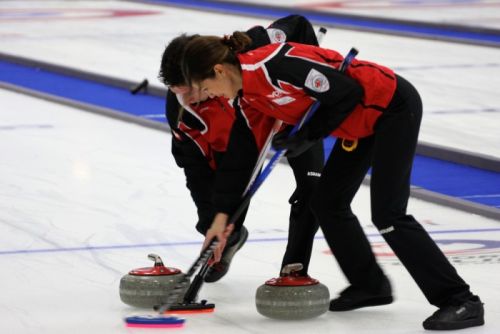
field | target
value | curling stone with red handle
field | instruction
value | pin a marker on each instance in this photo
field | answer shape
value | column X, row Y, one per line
column 292, row 297
column 148, row 287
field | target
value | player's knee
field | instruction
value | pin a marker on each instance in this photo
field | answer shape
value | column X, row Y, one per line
column 328, row 208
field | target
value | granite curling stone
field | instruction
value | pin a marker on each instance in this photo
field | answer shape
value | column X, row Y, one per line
column 291, row 296
column 149, row 287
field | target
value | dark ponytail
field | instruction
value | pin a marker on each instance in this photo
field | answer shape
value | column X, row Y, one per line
column 237, row 42
column 202, row 53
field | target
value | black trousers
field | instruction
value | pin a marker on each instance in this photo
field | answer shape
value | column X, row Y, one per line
column 389, row 152
column 303, row 226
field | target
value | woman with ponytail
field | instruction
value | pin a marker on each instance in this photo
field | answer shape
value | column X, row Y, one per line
column 200, row 127
column 375, row 115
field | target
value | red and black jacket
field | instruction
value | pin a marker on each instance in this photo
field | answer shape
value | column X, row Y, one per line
column 282, row 81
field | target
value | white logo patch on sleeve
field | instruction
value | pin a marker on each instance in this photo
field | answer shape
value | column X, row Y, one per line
column 276, row 35
column 283, row 100
column 317, row 81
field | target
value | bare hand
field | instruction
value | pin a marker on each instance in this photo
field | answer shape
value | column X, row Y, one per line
column 221, row 232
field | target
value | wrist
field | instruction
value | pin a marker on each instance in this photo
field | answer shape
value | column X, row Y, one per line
column 220, row 219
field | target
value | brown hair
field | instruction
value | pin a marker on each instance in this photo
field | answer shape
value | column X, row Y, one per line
column 202, row 53
column 171, row 61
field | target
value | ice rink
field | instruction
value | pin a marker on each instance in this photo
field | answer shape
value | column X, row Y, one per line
column 85, row 198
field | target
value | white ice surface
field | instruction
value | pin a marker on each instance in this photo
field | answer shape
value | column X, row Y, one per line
column 75, row 187
column 459, row 84
column 71, row 180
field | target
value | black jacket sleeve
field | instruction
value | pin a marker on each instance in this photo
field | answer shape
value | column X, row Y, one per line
column 337, row 93
column 292, row 28
column 237, row 165
column 296, row 28
column 199, row 175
